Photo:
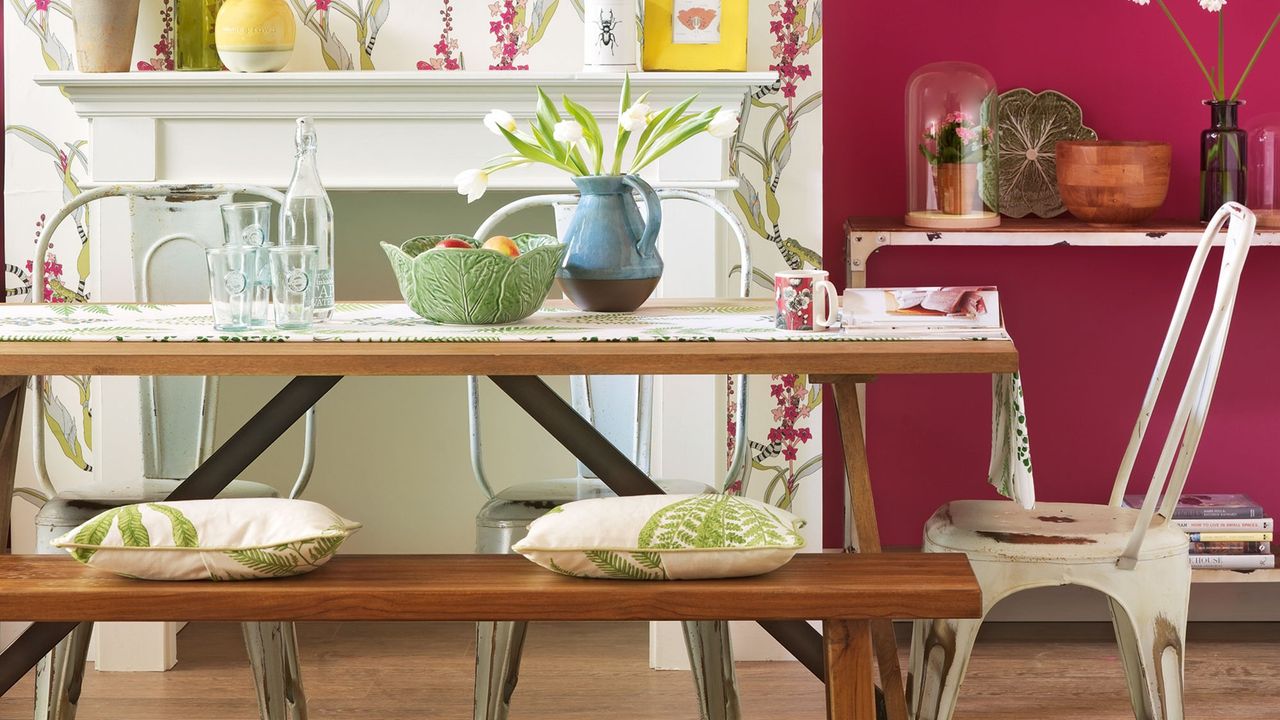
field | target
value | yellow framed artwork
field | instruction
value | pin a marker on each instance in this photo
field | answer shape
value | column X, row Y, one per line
column 695, row 35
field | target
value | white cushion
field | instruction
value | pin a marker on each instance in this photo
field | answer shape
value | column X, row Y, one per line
column 231, row 539
column 663, row 537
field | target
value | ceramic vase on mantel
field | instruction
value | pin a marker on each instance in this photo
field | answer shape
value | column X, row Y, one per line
column 1223, row 168
column 104, row 31
column 195, row 46
column 255, row 35
column 609, row 36
column 612, row 262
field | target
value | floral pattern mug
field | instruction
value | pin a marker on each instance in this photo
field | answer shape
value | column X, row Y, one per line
column 805, row 300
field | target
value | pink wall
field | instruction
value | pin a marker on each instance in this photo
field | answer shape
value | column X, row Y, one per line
column 1084, row 374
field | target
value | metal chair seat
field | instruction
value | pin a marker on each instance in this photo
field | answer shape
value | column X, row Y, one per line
column 519, row 505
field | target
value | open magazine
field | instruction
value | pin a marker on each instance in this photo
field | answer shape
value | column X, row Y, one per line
column 968, row 312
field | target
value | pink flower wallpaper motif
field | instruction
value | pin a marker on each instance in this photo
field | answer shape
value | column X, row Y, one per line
column 447, row 55
column 508, row 34
column 163, row 59
column 793, row 41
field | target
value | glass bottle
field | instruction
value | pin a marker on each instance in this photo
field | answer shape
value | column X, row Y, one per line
column 195, row 46
column 306, row 216
column 1223, row 170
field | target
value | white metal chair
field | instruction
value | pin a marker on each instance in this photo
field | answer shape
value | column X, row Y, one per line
column 178, row 420
column 1134, row 556
column 621, row 407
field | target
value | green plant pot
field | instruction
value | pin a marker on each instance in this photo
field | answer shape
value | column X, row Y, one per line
column 456, row 286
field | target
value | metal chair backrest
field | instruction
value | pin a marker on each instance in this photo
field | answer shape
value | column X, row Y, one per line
column 177, row 413
column 621, row 406
column 1180, row 444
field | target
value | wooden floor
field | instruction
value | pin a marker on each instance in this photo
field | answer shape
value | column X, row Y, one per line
column 590, row 671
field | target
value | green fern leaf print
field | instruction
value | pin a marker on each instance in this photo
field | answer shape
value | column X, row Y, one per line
column 132, row 531
column 93, row 534
column 266, row 562
column 613, row 565
column 184, row 531
column 716, row 521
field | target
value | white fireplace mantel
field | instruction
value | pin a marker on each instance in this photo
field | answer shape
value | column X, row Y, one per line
column 378, row 130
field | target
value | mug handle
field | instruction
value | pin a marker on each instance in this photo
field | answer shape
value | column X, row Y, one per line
column 833, row 305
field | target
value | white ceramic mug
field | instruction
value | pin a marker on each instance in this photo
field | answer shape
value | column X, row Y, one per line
column 610, row 38
column 805, row 300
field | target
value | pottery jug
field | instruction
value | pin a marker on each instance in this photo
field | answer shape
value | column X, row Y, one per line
column 255, row 35
column 612, row 263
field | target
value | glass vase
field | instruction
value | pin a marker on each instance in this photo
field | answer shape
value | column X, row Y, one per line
column 196, row 47
column 1223, row 166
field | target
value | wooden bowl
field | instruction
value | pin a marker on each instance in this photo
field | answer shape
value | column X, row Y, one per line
column 1113, row 183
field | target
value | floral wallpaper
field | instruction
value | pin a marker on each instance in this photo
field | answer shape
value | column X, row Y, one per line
column 776, row 157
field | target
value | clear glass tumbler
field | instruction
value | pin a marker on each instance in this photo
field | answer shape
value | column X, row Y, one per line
column 231, row 273
column 247, row 223
column 293, row 285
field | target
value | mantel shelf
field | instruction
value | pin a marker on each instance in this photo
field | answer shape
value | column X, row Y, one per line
column 374, row 94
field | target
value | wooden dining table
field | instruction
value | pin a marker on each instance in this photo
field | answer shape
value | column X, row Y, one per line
column 692, row 338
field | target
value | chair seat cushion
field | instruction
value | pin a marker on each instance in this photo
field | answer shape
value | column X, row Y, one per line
column 663, row 537
column 521, row 504
column 1049, row 532
column 228, row 539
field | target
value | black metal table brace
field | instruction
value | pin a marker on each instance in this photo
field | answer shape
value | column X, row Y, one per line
column 538, row 400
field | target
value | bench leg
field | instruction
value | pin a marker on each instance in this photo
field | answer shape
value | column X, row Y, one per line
column 851, row 690
column 273, row 658
column 499, row 646
column 711, row 659
column 59, row 676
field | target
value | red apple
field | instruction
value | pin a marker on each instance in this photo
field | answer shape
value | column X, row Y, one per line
column 502, row 244
column 453, row 243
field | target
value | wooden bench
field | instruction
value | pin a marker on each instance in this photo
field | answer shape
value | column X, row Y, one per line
column 846, row 591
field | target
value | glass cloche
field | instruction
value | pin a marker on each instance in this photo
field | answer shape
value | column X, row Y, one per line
column 953, row 147
column 1264, row 170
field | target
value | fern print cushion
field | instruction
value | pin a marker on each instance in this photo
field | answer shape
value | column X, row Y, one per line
column 663, row 537
column 231, row 539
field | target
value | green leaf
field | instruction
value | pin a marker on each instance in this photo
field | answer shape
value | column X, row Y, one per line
column 592, row 129
column 532, row 152
column 265, row 562
column 93, row 533
column 673, row 139
column 615, row 566
column 132, row 530
column 661, row 125
column 620, row 144
column 184, row 531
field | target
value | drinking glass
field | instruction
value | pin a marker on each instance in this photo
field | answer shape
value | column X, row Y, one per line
column 247, row 223
column 293, row 286
column 231, row 273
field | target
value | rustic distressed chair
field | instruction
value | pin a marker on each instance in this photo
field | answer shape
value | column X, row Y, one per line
column 621, row 407
column 178, row 421
column 1132, row 555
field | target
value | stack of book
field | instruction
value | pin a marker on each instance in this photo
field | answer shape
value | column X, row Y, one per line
column 1227, row 531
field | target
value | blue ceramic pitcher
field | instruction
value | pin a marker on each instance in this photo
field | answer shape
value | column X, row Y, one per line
column 612, row 264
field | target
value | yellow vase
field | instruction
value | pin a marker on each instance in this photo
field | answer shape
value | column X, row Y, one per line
column 255, row 35
column 695, row 35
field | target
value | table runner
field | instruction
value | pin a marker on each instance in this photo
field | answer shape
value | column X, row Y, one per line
column 727, row 321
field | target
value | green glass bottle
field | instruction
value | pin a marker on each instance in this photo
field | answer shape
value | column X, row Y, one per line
column 195, row 45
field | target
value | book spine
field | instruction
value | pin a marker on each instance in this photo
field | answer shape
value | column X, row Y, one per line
column 1230, row 536
column 1225, row 525
column 1183, row 512
column 1233, row 562
column 1230, row 548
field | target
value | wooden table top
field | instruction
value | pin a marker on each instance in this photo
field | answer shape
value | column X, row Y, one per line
column 498, row 587
column 710, row 352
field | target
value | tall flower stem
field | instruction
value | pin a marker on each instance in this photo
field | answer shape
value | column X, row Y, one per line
column 1222, row 51
column 1253, row 60
column 1217, row 93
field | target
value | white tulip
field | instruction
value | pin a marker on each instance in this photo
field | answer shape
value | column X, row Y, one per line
column 568, row 131
column 500, row 119
column 723, row 125
column 472, row 183
column 635, row 118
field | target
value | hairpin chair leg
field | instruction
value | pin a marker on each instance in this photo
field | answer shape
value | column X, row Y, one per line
column 273, row 658
column 60, row 674
column 714, row 679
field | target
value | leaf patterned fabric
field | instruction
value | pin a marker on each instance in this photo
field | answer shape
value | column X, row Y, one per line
column 663, row 537
column 231, row 539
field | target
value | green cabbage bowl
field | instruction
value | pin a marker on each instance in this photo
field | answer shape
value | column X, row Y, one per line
column 457, row 286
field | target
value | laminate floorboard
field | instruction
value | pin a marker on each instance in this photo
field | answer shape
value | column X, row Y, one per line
column 588, row 671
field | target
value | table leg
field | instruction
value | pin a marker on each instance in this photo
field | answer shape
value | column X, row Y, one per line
column 213, row 475
column 863, row 509
column 13, row 392
column 581, row 438
column 850, row 688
